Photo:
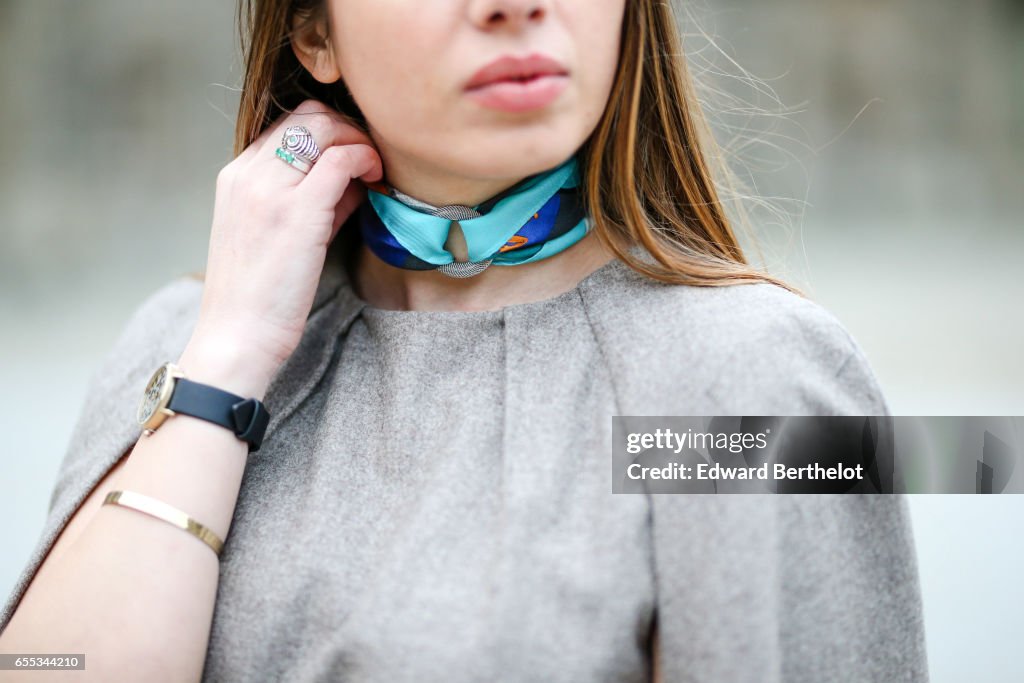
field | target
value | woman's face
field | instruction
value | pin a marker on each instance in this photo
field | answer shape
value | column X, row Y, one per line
column 407, row 65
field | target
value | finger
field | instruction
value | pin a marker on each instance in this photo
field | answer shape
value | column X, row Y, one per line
column 275, row 131
column 327, row 125
column 355, row 194
column 333, row 172
column 326, row 128
column 255, row 147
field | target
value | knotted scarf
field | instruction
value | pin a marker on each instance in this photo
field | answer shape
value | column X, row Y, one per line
column 537, row 217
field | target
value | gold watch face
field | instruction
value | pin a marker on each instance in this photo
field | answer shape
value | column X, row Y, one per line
column 157, row 396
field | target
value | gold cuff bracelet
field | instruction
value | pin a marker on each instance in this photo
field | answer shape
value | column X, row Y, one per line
column 168, row 513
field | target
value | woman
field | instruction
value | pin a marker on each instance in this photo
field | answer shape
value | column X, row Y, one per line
column 441, row 286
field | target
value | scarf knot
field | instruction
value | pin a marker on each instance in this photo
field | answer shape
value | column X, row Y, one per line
column 534, row 219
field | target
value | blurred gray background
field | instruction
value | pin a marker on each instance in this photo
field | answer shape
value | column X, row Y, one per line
column 886, row 136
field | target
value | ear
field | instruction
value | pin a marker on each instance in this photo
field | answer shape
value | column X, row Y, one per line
column 313, row 48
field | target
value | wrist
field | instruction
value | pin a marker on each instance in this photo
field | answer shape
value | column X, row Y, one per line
column 226, row 365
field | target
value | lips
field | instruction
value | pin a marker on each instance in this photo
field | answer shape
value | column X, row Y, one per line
column 516, row 69
column 518, row 84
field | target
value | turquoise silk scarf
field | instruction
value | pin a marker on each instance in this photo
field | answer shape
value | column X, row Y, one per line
column 537, row 217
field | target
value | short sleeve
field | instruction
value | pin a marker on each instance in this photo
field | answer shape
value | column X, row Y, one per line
column 792, row 356
column 858, row 386
column 788, row 588
column 157, row 331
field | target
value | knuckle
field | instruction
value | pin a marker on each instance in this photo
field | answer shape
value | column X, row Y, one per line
column 227, row 172
column 309, row 106
column 318, row 116
column 317, row 121
column 314, row 113
column 226, row 177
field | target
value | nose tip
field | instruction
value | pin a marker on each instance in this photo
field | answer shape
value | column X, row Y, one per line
column 497, row 13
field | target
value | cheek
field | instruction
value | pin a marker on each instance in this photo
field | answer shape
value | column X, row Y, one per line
column 607, row 32
column 389, row 78
column 599, row 39
column 396, row 99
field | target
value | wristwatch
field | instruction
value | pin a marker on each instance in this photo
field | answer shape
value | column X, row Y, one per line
column 168, row 393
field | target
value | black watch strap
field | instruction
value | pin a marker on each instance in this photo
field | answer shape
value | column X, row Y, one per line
column 246, row 417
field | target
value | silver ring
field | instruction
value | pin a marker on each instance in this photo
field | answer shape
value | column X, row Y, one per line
column 292, row 160
column 299, row 141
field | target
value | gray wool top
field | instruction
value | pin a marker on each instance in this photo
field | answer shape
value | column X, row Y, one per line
column 433, row 498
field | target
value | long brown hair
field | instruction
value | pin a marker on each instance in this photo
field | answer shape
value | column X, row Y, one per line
column 645, row 170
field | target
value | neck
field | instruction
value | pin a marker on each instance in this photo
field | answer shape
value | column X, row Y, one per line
column 438, row 186
column 385, row 286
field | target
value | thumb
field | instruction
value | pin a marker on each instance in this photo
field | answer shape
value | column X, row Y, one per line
column 331, row 176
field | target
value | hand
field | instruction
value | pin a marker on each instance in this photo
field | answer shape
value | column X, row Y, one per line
column 272, row 225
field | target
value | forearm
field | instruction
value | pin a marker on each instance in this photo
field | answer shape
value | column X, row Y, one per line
column 134, row 593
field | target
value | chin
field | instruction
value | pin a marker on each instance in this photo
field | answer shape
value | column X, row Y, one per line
column 520, row 158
